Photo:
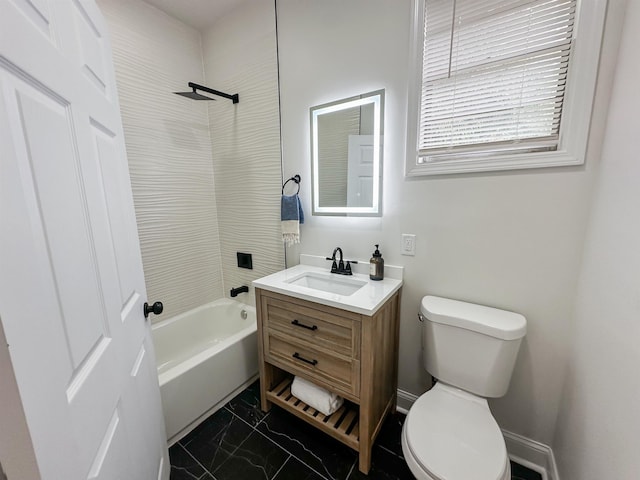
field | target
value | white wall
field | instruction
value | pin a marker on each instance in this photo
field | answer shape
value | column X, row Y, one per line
column 169, row 150
column 511, row 240
column 240, row 57
column 598, row 426
column 17, row 458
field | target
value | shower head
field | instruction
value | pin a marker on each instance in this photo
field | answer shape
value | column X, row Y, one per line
column 194, row 95
column 197, row 96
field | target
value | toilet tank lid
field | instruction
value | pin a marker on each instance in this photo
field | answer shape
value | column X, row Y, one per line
column 478, row 318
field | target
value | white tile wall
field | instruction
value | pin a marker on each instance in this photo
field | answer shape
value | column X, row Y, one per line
column 169, row 150
column 240, row 57
column 206, row 176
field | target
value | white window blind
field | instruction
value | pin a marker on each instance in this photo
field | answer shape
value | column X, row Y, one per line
column 493, row 76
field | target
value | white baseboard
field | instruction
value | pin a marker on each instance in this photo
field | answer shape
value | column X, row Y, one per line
column 405, row 400
column 531, row 454
column 528, row 453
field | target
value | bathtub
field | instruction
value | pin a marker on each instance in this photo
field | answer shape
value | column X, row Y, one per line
column 205, row 356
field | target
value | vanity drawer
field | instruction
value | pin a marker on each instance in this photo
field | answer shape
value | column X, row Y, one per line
column 335, row 372
column 327, row 330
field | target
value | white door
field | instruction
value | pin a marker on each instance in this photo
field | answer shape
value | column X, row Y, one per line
column 71, row 282
column 360, row 171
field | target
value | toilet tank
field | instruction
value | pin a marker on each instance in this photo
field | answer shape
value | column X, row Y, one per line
column 470, row 346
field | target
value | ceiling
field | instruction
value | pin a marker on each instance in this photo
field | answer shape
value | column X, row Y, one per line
column 199, row 14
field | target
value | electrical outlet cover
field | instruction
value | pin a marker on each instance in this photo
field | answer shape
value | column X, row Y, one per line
column 408, row 246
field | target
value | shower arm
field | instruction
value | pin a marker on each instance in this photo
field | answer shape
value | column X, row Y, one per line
column 235, row 98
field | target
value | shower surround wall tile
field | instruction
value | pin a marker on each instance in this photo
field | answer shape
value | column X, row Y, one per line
column 168, row 145
column 240, row 57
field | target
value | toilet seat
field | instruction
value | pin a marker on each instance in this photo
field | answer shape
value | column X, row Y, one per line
column 450, row 434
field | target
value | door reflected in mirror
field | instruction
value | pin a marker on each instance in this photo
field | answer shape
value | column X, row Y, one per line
column 346, row 156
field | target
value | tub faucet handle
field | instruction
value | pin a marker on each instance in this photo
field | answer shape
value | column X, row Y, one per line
column 235, row 291
column 156, row 309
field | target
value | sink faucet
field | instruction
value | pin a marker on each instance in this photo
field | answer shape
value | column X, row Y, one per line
column 339, row 267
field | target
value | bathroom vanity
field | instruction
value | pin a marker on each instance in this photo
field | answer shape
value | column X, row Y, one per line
column 346, row 342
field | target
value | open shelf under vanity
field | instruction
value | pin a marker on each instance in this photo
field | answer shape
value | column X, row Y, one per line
column 343, row 424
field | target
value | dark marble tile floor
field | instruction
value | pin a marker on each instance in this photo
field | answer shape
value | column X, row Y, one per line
column 240, row 442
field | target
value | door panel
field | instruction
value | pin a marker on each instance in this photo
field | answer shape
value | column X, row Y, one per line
column 46, row 128
column 38, row 12
column 111, row 454
column 360, row 171
column 91, row 47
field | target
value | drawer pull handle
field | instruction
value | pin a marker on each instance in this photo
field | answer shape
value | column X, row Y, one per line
column 298, row 324
column 310, row 362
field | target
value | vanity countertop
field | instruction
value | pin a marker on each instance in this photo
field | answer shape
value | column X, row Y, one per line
column 366, row 300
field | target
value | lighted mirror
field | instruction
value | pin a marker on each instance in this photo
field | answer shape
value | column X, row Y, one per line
column 346, row 156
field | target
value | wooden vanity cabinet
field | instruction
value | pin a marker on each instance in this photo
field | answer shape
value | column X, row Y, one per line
column 353, row 355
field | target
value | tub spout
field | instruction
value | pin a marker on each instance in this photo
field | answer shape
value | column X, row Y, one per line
column 236, row 291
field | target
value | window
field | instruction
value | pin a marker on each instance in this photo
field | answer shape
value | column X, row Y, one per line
column 502, row 84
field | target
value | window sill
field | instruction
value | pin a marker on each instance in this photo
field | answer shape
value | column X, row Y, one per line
column 492, row 164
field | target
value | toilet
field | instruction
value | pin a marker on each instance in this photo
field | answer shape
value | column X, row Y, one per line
column 449, row 432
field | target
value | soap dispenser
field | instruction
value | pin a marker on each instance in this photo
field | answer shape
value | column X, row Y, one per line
column 376, row 265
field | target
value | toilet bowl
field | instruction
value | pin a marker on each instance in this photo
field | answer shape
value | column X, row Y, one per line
column 449, row 432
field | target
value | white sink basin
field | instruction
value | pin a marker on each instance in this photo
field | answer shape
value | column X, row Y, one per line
column 330, row 282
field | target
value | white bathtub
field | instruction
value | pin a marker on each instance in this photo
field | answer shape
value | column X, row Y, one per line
column 205, row 356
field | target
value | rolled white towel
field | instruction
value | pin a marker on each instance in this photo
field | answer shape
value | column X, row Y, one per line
column 317, row 397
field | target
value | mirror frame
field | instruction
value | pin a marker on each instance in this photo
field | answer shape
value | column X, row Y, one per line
column 377, row 99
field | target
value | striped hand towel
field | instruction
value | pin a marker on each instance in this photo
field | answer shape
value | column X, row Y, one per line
column 292, row 216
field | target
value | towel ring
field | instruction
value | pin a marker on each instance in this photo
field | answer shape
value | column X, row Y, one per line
column 295, row 179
